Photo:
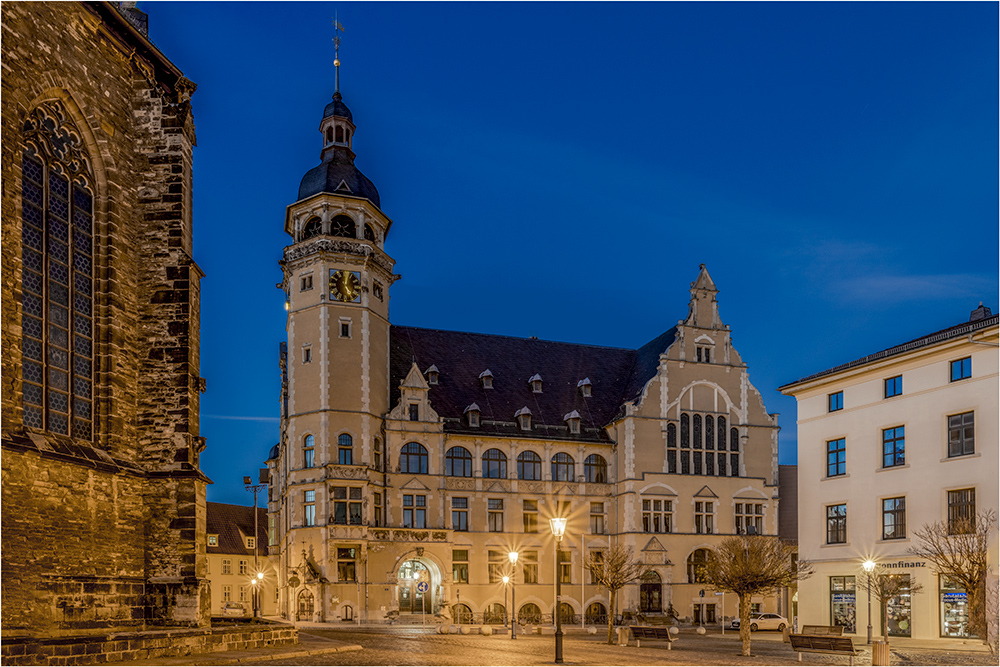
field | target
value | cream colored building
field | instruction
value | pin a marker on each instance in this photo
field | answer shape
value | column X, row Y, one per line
column 887, row 443
column 233, row 561
column 412, row 461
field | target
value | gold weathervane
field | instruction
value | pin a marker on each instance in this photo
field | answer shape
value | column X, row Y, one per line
column 337, row 29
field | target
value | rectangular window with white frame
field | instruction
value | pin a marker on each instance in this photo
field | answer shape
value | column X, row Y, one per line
column 460, row 514
column 704, row 517
column 961, row 434
column 494, row 514
column 749, row 515
column 597, row 518
column 227, row 593
column 227, row 566
column 657, row 515
column 244, row 566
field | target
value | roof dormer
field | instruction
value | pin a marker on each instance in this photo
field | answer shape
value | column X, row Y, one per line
column 523, row 417
column 536, row 383
column 486, row 378
column 585, row 387
column 432, row 374
column 472, row 415
column 572, row 420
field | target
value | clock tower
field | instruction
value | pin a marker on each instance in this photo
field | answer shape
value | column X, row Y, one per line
column 336, row 283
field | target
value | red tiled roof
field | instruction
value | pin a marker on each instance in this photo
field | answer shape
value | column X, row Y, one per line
column 227, row 521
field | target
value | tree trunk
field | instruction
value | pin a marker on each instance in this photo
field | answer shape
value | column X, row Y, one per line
column 745, row 623
column 611, row 618
column 976, row 597
column 884, row 609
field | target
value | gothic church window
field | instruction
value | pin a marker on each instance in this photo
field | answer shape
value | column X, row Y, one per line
column 57, row 298
column 343, row 226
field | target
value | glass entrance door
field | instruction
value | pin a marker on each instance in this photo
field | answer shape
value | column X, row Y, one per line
column 414, row 582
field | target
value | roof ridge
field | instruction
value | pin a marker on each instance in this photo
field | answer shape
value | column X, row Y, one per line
column 528, row 338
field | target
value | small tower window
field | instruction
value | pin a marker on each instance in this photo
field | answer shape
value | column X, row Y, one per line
column 307, row 354
column 347, row 137
column 345, row 328
column 486, row 377
column 340, row 134
column 573, row 421
column 342, row 225
column 472, row 415
column 312, row 228
column 536, row 383
column 369, row 233
column 307, row 283
column 414, row 412
column 523, row 417
column 585, row 387
column 329, row 135
column 432, row 375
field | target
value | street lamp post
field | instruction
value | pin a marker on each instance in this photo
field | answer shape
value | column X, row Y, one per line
column 513, row 604
column 558, row 526
column 258, row 576
column 506, row 580
column 869, row 566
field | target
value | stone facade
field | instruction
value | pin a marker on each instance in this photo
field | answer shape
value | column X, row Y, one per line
column 413, row 457
column 103, row 498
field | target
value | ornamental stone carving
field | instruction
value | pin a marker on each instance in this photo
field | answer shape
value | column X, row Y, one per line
column 338, row 245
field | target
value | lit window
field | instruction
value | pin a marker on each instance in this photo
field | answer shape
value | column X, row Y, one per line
column 309, row 508
column 213, row 540
column 835, row 401
column 565, row 566
column 497, row 565
column 530, row 566
column 347, row 563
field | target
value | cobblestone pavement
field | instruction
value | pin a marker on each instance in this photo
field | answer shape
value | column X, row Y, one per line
column 416, row 646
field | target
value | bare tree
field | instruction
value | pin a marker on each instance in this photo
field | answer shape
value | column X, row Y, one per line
column 614, row 568
column 885, row 587
column 959, row 550
column 752, row 565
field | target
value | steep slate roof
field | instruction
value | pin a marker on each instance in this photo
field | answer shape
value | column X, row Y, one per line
column 617, row 375
column 227, row 521
column 956, row 331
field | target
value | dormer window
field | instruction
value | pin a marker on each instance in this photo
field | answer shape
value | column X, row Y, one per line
column 523, row 417
column 472, row 415
column 703, row 354
column 536, row 383
column 486, row 377
column 585, row 387
column 213, row 540
column 573, row 422
column 432, row 375
column 250, row 543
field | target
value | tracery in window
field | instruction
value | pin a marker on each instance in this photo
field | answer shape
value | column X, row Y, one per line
column 57, row 279
column 369, row 233
column 314, row 227
column 343, row 226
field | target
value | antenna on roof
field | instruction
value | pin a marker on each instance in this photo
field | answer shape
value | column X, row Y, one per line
column 337, row 28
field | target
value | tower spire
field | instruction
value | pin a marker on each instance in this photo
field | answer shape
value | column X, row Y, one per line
column 337, row 28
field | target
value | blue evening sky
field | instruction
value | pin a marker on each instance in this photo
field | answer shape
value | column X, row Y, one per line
column 561, row 170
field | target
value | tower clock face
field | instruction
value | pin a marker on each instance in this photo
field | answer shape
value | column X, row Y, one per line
column 345, row 285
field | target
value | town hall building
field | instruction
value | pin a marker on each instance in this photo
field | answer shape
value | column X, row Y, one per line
column 413, row 461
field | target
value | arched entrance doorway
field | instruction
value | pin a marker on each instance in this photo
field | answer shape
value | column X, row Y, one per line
column 415, row 588
column 649, row 593
column 305, row 606
column 597, row 613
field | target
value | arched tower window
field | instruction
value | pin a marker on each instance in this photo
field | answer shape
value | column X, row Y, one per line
column 595, row 469
column 312, row 228
column 495, row 464
column 345, row 449
column 340, row 134
column 57, row 299
column 329, row 135
column 343, row 226
column 369, row 233
column 309, row 451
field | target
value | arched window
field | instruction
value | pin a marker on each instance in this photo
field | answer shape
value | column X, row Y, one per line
column 343, row 226
column 495, row 614
column 529, row 613
column 651, row 593
column 308, row 451
column 348, row 613
column 697, row 431
column 329, row 135
column 413, row 458
column 595, row 468
column 312, row 228
column 566, row 615
column 562, row 467
column 369, row 233
column 463, row 614
column 340, row 134
column 529, row 465
column 458, row 462
column 696, row 563
column 685, row 431
column 597, row 614
column 495, row 464
column 671, row 448
column 345, row 449
column 57, row 299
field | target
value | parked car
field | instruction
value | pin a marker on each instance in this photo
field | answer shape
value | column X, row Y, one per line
column 233, row 609
column 763, row 622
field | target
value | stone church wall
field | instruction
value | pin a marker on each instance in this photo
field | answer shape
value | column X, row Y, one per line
column 108, row 533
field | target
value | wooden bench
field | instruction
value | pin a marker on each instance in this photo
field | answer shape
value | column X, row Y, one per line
column 831, row 644
column 826, row 630
column 651, row 633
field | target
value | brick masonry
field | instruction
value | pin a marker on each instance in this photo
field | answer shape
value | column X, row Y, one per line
column 142, row 645
column 107, row 534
